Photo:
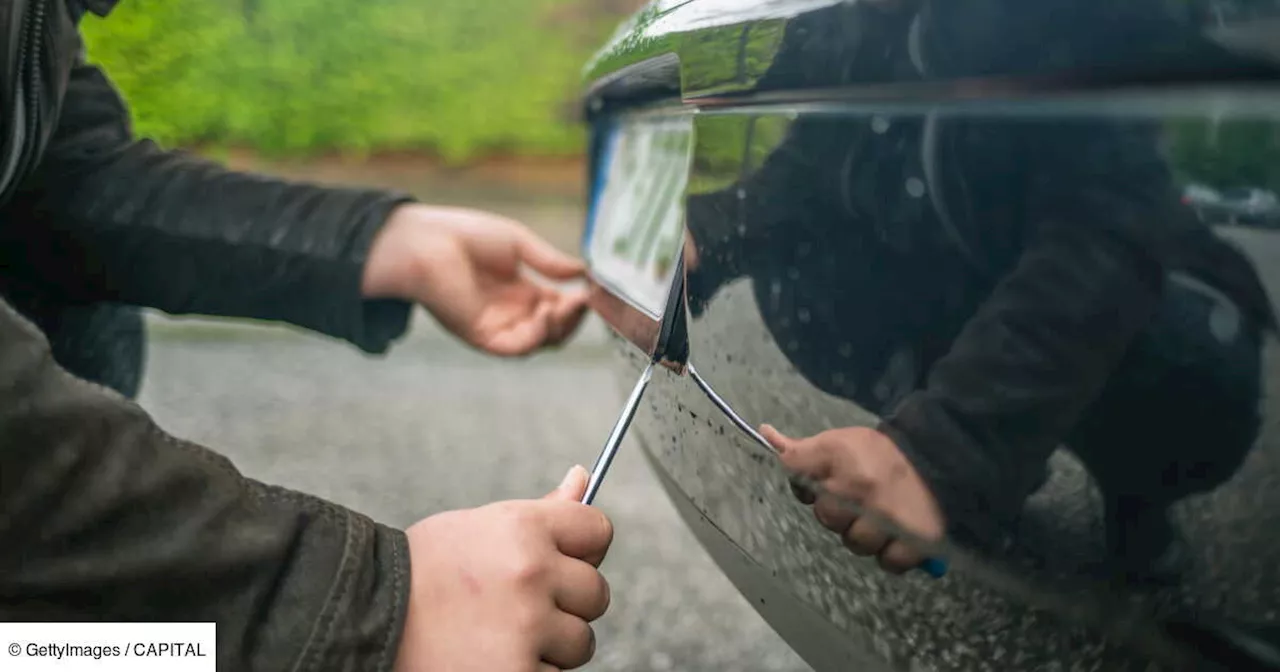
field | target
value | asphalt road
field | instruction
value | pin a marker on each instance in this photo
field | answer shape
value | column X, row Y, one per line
column 434, row 426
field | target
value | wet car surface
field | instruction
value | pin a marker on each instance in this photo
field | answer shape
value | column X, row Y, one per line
column 963, row 223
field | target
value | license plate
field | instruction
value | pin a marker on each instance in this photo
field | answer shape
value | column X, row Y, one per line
column 635, row 226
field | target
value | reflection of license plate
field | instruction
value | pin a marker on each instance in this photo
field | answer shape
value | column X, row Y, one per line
column 636, row 223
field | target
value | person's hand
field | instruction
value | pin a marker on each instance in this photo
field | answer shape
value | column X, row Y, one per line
column 865, row 467
column 690, row 251
column 470, row 269
column 508, row 587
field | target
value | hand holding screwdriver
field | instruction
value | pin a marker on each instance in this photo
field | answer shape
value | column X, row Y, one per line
column 862, row 465
column 508, row 586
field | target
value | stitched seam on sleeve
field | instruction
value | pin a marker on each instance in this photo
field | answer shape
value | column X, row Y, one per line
column 313, row 652
column 397, row 580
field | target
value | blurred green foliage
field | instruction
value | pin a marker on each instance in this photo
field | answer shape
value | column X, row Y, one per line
column 1235, row 153
column 456, row 78
column 728, row 147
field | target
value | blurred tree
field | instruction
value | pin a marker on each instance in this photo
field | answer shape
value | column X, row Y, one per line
column 459, row 78
column 1225, row 155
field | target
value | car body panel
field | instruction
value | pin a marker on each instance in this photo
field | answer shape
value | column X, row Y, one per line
column 858, row 194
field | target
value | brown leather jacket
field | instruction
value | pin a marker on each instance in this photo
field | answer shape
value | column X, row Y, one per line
column 103, row 516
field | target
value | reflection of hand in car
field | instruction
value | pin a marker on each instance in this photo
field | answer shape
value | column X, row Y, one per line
column 864, row 466
column 690, row 251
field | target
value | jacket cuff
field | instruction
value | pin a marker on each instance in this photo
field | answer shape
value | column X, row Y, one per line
column 967, row 491
column 370, row 324
column 362, row 624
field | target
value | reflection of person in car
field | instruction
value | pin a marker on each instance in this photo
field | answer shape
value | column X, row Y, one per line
column 994, row 289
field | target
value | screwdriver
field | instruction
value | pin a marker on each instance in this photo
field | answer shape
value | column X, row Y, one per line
column 601, row 467
column 934, row 567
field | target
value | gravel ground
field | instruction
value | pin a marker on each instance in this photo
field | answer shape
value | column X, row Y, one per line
column 434, row 426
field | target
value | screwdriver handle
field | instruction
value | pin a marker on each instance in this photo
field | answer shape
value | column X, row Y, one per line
column 934, row 567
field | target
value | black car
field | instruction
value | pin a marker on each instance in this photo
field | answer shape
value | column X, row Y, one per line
column 955, row 231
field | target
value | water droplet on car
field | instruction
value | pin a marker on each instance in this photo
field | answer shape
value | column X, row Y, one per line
column 793, row 345
column 742, row 229
column 915, row 187
column 793, row 273
column 742, row 194
column 803, row 249
column 845, row 350
column 879, row 125
column 1224, row 323
column 803, row 314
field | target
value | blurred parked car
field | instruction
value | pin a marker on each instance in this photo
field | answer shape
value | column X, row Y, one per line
column 1205, row 200
column 956, row 221
column 1249, row 205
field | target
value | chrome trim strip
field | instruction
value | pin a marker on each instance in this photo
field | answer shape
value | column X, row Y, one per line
column 728, row 411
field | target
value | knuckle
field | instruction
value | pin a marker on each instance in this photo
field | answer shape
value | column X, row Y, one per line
column 857, row 546
column 897, row 558
column 606, row 529
column 515, row 514
column 598, row 532
column 604, row 597
column 582, row 647
column 831, row 515
column 867, row 532
column 528, row 570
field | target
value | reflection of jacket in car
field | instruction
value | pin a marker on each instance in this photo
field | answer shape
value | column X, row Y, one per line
column 980, row 282
column 102, row 515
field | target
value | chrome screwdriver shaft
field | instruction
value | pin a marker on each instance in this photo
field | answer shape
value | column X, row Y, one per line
column 611, row 445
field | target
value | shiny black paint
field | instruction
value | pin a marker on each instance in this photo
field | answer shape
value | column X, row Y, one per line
column 865, row 177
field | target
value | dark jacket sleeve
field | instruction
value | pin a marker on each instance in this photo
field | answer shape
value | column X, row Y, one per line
column 118, row 219
column 104, row 517
column 1020, row 375
column 1040, row 349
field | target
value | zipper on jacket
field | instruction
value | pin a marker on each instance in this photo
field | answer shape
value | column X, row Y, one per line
column 35, row 52
column 25, row 136
column 16, row 139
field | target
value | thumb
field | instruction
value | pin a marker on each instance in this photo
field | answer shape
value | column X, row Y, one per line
column 810, row 456
column 786, row 447
column 778, row 440
column 544, row 258
column 573, row 486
